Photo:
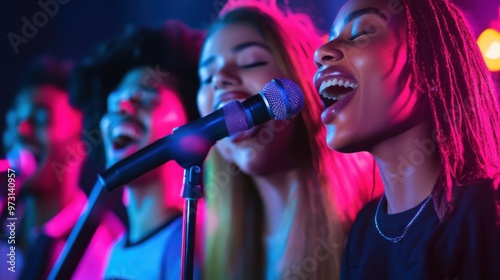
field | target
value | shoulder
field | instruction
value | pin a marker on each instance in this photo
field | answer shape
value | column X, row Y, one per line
column 478, row 199
column 112, row 224
column 366, row 214
column 359, row 229
column 171, row 259
column 475, row 212
column 473, row 227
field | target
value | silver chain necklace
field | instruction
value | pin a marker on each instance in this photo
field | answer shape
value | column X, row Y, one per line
column 399, row 238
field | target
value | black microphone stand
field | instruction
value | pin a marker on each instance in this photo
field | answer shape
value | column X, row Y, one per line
column 81, row 234
column 192, row 190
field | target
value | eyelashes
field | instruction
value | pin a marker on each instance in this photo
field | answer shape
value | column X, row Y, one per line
column 207, row 80
column 255, row 64
column 355, row 36
column 246, row 66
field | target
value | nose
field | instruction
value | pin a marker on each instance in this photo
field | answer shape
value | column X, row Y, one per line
column 327, row 54
column 224, row 78
column 127, row 106
column 25, row 128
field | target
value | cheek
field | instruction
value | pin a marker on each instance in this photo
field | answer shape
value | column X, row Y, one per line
column 257, row 80
column 9, row 136
column 104, row 126
column 381, row 79
column 204, row 100
column 165, row 118
column 224, row 149
column 66, row 125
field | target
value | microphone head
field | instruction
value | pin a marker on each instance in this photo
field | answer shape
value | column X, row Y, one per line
column 235, row 117
column 22, row 161
column 284, row 97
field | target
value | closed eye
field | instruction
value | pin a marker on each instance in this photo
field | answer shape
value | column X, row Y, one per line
column 355, row 36
column 207, row 80
column 256, row 64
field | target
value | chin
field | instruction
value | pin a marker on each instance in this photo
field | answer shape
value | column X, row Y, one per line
column 345, row 144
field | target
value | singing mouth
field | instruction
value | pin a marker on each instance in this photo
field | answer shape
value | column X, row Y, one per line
column 334, row 84
column 245, row 135
column 337, row 88
column 125, row 135
column 34, row 148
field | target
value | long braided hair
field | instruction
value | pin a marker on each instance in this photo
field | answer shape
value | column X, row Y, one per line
column 447, row 65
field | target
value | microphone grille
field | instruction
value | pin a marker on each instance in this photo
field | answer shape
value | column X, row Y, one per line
column 235, row 117
column 284, row 97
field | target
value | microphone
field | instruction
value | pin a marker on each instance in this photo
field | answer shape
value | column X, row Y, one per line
column 189, row 144
column 19, row 165
column 20, row 160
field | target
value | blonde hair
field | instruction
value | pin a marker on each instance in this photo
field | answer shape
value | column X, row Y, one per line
column 324, row 209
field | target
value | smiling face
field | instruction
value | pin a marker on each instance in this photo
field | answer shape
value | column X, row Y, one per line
column 236, row 63
column 43, row 122
column 367, row 51
column 139, row 113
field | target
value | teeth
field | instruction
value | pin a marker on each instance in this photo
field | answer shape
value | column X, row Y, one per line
column 125, row 131
column 324, row 84
column 336, row 82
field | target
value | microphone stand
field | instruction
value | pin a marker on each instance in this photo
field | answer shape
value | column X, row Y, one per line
column 192, row 190
column 81, row 234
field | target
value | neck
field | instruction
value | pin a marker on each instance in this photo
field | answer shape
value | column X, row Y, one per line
column 47, row 200
column 147, row 209
column 274, row 190
column 409, row 165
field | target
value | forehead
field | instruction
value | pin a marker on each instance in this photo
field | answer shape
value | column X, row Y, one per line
column 228, row 36
column 354, row 5
column 389, row 10
column 148, row 77
column 44, row 95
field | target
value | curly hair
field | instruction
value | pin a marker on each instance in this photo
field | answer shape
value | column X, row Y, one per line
column 174, row 48
column 46, row 69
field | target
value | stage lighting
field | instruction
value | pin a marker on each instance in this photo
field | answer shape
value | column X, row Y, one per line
column 489, row 43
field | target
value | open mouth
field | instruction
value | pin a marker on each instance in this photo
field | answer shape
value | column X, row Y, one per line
column 125, row 135
column 33, row 147
column 336, row 89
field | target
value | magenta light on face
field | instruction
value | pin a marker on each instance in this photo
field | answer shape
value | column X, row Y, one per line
column 284, row 97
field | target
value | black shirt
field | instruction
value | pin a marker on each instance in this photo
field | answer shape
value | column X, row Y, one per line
column 464, row 246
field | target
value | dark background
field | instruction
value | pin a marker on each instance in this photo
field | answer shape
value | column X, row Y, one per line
column 79, row 25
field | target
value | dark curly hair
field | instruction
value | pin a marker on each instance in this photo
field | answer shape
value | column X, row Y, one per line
column 46, row 69
column 174, row 48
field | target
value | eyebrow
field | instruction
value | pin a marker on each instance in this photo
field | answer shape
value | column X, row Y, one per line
column 361, row 12
column 236, row 49
column 358, row 13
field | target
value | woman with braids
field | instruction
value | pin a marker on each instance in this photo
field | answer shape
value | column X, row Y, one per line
column 422, row 103
column 279, row 202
